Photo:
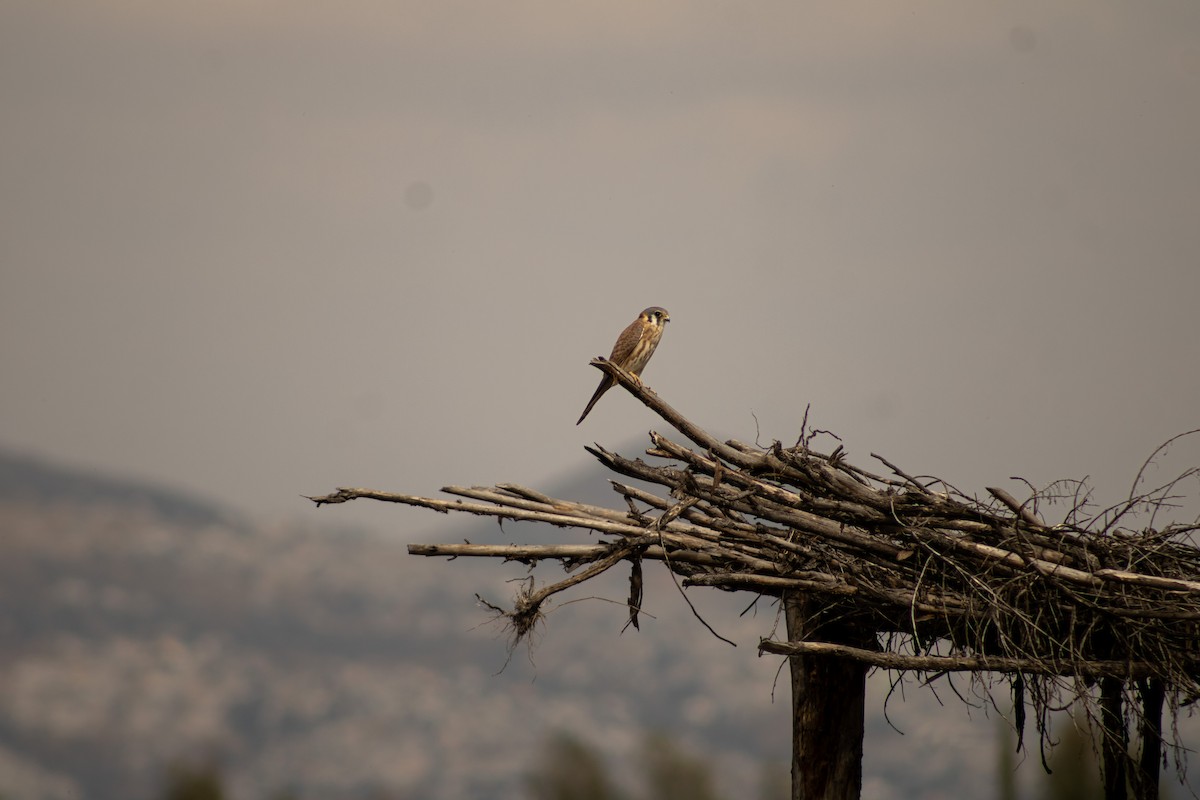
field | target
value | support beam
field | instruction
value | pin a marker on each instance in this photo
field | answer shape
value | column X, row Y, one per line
column 828, row 702
column 1114, row 739
column 888, row 660
column 1153, row 693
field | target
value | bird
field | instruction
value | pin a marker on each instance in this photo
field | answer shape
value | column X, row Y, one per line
column 633, row 349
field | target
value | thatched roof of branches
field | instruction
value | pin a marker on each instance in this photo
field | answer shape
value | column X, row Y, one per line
column 949, row 581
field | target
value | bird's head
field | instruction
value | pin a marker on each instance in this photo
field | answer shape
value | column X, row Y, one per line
column 656, row 315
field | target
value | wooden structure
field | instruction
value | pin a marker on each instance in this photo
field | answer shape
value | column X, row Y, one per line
column 893, row 571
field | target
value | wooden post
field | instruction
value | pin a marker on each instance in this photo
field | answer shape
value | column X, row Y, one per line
column 1153, row 693
column 828, row 702
column 1114, row 739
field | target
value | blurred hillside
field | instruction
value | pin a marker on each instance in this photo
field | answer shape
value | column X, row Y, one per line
column 143, row 627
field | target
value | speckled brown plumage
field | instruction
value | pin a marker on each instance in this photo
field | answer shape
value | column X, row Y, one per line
column 633, row 349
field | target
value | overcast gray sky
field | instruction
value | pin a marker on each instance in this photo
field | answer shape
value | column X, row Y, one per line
column 257, row 249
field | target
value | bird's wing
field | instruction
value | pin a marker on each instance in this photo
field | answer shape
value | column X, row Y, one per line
column 626, row 342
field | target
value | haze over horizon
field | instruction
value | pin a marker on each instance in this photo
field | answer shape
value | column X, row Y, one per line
column 257, row 251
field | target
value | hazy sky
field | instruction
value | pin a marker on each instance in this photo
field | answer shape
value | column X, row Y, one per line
column 259, row 249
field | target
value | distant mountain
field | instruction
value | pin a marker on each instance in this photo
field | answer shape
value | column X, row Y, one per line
column 25, row 478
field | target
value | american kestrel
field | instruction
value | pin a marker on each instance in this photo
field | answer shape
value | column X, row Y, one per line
column 633, row 349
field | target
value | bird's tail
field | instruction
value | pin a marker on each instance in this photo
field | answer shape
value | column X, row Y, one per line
column 604, row 386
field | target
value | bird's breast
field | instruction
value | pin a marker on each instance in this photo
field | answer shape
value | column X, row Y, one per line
column 644, row 348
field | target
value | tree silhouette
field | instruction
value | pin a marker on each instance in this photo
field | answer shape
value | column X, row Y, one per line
column 570, row 770
column 193, row 781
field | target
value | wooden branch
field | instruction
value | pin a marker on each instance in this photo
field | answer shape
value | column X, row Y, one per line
column 545, row 552
column 885, row 660
column 1017, row 508
column 1155, row 581
column 689, row 429
column 762, row 507
column 822, row 584
column 679, row 534
column 548, row 504
column 998, row 555
column 529, row 605
column 870, row 510
column 772, row 584
column 511, row 552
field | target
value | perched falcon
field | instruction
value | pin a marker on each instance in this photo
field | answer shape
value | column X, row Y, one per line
column 633, row 349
